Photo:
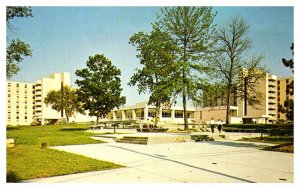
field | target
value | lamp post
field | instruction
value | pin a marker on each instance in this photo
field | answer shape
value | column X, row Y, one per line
column 245, row 90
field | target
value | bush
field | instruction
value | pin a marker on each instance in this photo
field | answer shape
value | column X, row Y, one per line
column 10, row 127
column 73, row 129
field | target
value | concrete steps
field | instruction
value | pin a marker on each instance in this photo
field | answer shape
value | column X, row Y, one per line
column 133, row 140
column 154, row 139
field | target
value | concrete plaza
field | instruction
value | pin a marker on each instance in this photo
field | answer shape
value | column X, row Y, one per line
column 221, row 161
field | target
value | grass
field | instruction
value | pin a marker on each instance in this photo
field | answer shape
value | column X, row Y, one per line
column 283, row 143
column 27, row 160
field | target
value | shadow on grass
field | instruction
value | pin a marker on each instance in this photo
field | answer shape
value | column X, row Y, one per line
column 12, row 177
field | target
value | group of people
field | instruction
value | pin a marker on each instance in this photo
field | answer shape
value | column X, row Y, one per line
column 212, row 125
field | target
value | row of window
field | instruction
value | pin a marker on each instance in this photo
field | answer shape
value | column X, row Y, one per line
column 17, row 117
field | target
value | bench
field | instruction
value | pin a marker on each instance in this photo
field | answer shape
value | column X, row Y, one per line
column 96, row 127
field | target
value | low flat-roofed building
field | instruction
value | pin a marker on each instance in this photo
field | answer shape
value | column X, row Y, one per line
column 204, row 115
column 144, row 112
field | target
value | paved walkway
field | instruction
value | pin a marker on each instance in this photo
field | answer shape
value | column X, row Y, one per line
column 210, row 162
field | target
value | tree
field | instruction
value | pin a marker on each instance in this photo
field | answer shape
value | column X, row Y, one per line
column 156, row 55
column 239, row 74
column 100, row 86
column 191, row 29
column 16, row 49
column 288, row 107
column 65, row 100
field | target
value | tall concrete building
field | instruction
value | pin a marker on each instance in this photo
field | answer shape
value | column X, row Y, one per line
column 25, row 101
column 42, row 112
column 282, row 95
column 273, row 91
column 266, row 111
column 20, row 103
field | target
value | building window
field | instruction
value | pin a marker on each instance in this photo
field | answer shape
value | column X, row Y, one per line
column 166, row 113
column 200, row 114
column 178, row 114
column 17, row 117
column 17, row 106
column 8, row 118
column 25, row 117
column 8, row 95
column 17, row 84
column 25, row 86
column 9, row 84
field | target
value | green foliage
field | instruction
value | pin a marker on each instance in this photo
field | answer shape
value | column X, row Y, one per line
column 73, row 129
column 12, row 12
column 65, row 100
column 288, row 107
column 16, row 49
column 191, row 29
column 155, row 54
column 100, row 86
column 289, row 63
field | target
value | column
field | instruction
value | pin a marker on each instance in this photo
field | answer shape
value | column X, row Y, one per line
column 133, row 114
column 173, row 114
column 123, row 114
column 114, row 115
column 146, row 113
column 160, row 113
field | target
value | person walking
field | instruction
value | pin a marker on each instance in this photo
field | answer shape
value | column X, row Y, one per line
column 220, row 125
column 212, row 125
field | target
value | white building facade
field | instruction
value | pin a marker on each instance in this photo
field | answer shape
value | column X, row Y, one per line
column 144, row 112
column 25, row 101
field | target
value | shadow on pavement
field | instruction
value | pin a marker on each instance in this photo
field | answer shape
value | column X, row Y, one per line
column 185, row 164
column 239, row 144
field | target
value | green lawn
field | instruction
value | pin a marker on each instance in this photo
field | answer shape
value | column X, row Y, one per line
column 283, row 143
column 27, row 160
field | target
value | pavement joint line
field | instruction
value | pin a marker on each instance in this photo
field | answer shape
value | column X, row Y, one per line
column 153, row 173
column 185, row 164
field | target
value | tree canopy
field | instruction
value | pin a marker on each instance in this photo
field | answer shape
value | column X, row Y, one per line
column 16, row 49
column 288, row 106
column 99, row 86
column 65, row 100
column 156, row 55
column 191, row 30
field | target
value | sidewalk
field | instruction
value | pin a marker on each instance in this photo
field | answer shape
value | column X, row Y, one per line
column 209, row 162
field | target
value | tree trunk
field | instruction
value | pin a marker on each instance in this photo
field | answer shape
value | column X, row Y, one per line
column 67, row 119
column 157, row 107
column 228, row 105
column 97, row 120
column 184, row 111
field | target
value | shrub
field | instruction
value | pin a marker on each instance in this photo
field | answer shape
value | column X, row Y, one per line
column 73, row 129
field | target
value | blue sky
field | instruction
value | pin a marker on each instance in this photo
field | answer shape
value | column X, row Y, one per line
column 62, row 38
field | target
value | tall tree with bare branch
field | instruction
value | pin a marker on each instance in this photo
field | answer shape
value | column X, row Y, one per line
column 240, row 74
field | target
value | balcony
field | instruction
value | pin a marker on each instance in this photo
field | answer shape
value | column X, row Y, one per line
column 272, row 101
column 272, row 95
column 272, row 89
column 272, row 112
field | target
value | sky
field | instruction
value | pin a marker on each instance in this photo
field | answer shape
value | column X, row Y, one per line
column 62, row 38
